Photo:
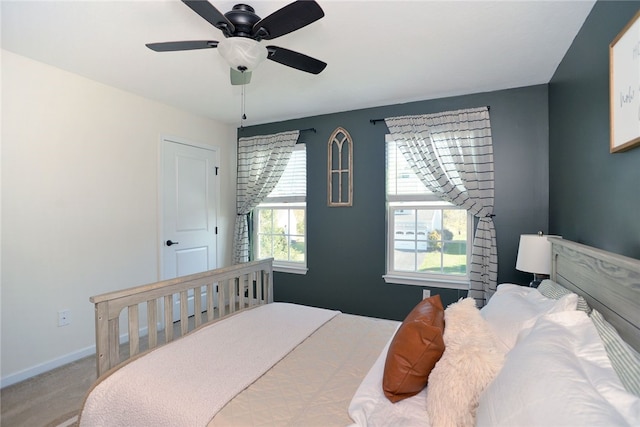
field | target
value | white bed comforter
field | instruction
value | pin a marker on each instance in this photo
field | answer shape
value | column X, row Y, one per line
column 188, row 381
column 313, row 385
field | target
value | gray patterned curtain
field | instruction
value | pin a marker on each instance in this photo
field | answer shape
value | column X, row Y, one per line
column 261, row 162
column 452, row 153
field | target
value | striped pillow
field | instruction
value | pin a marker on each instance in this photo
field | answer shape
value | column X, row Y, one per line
column 625, row 360
column 553, row 290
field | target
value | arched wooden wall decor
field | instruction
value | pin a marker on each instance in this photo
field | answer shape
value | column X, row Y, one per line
column 340, row 168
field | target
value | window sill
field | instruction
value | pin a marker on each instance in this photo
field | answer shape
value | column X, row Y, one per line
column 290, row 269
column 432, row 283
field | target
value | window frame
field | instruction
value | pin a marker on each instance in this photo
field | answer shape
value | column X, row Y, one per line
column 427, row 200
column 282, row 203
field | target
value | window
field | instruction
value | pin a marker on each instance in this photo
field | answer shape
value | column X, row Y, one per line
column 428, row 240
column 279, row 222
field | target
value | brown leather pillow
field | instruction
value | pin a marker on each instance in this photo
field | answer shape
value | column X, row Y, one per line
column 414, row 350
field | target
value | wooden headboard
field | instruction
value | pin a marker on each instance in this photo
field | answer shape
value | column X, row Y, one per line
column 609, row 282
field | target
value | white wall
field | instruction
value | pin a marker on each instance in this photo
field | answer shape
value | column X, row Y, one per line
column 79, row 204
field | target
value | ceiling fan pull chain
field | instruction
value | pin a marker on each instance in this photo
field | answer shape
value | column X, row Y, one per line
column 244, row 116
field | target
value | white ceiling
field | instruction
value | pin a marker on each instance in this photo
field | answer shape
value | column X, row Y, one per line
column 378, row 52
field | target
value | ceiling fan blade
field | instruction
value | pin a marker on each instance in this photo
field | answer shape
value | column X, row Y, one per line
column 240, row 78
column 211, row 15
column 287, row 19
column 183, row 45
column 295, row 60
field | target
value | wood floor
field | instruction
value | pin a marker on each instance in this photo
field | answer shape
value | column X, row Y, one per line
column 48, row 399
column 54, row 397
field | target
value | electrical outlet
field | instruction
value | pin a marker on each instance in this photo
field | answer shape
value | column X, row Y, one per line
column 64, row 317
column 426, row 293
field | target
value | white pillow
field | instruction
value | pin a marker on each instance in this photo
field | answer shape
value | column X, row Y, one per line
column 472, row 358
column 514, row 308
column 369, row 406
column 553, row 290
column 624, row 359
column 558, row 374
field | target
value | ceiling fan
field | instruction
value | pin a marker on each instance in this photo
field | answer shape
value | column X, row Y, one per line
column 244, row 30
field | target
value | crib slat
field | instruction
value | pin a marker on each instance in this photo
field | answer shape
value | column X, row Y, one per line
column 184, row 312
column 233, row 286
column 114, row 341
column 210, row 310
column 242, row 288
column 246, row 290
column 222, row 293
column 134, row 331
column 241, row 283
column 197, row 306
column 152, row 322
column 168, row 318
column 251, row 292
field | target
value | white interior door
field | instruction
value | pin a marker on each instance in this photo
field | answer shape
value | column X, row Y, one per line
column 189, row 206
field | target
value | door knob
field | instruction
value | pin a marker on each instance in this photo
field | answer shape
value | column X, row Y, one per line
column 169, row 243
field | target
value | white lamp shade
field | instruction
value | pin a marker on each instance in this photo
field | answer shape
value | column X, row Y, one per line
column 534, row 254
column 242, row 53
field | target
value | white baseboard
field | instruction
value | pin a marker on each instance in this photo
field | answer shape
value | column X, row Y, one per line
column 25, row 374
column 46, row 366
column 71, row 421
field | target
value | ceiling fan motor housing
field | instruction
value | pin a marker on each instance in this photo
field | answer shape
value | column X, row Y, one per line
column 243, row 17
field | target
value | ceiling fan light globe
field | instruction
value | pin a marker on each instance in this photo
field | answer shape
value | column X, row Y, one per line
column 242, row 53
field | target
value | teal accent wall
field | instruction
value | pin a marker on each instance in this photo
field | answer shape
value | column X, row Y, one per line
column 346, row 245
column 594, row 195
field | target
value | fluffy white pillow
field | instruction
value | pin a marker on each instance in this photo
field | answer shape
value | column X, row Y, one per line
column 514, row 308
column 472, row 358
column 558, row 374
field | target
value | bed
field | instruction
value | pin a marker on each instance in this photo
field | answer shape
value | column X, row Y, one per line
column 236, row 358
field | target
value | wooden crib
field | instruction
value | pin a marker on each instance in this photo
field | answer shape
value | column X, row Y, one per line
column 223, row 291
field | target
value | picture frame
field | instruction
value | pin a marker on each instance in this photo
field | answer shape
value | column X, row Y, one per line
column 340, row 169
column 624, row 90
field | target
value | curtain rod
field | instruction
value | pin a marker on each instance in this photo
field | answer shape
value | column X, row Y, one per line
column 374, row 121
column 301, row 130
